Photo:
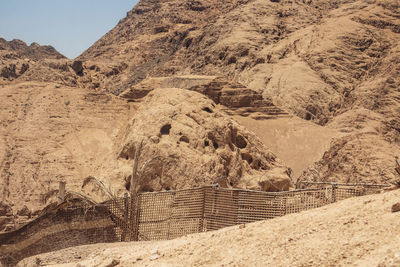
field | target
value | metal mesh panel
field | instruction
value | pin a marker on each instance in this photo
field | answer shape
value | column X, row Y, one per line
column 343, row 191
column 300, row 200
column 254, row 206
column 171, row 214
column 220, row 208
column 187, row 213
column 120, row 212
column 154, row 215
column 167, row 215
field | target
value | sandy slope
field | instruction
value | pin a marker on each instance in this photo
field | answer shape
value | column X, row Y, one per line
column 297, row 142
column 51, row 133
column 358, row 231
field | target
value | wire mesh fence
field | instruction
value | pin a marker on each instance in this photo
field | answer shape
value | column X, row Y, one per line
column 166, row 215
column 171, row 214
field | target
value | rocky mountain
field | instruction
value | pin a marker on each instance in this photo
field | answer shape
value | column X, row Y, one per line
column 19, row 49
column 335, row 63
column 21, row 62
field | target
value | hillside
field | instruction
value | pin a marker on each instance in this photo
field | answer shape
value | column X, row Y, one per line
column 354, row 232
column 20, row 62
column 19, row 49
column 335, row 63
column 290, row 90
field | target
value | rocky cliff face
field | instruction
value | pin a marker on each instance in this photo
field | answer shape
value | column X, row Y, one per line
column 19, row 49
column 21, row 62
column 308, row 56
column 234, row 98
column 322, row 61
column 194, row 143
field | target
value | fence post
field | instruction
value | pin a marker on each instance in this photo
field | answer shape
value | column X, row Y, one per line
column 134, row 218
column 334, row 189
column 137, row 218
column 125, row 222
column 203, row 212
column 284, row 211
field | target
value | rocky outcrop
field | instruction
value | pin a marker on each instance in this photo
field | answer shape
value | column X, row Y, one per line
column 235, row 98
column 13, row 71
column 195, row 144
column 317, row 60
column 33, row 51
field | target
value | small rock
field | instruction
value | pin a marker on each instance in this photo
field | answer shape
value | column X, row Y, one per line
column 77, row 66
column 396, row 207
column 154, row 257
column 113, row 263
column 24, row 211
column 242, row 226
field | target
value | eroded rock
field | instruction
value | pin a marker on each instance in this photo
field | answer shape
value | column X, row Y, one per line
column 238, row 99
column 197, row 144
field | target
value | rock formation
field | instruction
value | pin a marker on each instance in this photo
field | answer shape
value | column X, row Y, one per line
column 194, row 144
column 236, row 98
column 318, row 60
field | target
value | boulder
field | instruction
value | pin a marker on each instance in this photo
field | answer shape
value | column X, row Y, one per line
column 396, row 207
column 193, row 143
column 77, row 66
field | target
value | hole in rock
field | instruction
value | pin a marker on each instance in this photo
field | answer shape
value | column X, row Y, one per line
column 207, row 109
column 206, row 143
column 215, row 145
column 247, row 157
column 165, row 129
column 184, row 139
column 240, row 141
column 147, row 188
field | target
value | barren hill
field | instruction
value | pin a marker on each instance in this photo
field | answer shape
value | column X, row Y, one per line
column 19, row 49
column 335, row 63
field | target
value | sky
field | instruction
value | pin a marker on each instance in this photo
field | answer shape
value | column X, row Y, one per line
column 70, row 26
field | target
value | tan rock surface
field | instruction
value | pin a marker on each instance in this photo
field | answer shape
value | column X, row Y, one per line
column 354, row 232
column 318, row 60
column 237, row 99
column 198, row 145
column 51, row 133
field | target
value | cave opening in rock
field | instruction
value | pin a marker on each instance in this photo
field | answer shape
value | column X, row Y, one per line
column 165, row 129
column 184, row 138
column 207, row 109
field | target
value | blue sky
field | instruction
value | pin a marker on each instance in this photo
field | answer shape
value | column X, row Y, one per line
column 71, row 26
